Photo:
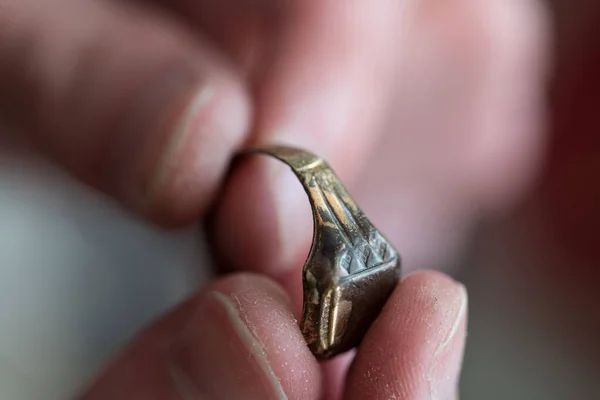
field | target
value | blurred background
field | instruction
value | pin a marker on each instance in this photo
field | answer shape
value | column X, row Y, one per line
column 79, row 277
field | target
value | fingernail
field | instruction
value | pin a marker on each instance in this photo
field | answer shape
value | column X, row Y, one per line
column 180, row 132
column 147, row 131
column 218, row 357
column 176, row 145
column 447, row 360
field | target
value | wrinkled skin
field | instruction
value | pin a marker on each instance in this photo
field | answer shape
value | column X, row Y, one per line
column 432, row 111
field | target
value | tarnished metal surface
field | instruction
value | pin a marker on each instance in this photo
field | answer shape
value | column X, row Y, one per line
column 351, row 269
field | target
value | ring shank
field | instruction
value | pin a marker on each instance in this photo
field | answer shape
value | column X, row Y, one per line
column 351, row 269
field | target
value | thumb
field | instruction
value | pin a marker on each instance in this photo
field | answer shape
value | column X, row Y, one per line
column 124, row 99
column 237, row 339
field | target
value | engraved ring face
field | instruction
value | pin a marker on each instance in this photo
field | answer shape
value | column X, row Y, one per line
column 351, row 269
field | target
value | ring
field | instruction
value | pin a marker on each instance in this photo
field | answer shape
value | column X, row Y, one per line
column 351, row 269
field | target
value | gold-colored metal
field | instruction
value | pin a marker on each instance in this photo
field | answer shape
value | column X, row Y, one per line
column 351, row 269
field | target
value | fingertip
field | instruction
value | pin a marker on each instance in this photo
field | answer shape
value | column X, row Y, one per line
column 243, row 342
column 252, row 286
column 188, row 170
column 415, row 347
column 237, row 339
column 127, row 100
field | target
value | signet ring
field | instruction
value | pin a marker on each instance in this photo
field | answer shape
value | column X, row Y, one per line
column 351, row 269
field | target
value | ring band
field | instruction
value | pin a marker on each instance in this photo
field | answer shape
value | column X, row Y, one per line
column 351, row 269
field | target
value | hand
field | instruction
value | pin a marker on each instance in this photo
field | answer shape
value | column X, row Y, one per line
column 238, row 339
column 148, row 102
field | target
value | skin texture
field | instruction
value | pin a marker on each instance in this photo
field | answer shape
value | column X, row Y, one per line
column 431, row 111
column 239, row 339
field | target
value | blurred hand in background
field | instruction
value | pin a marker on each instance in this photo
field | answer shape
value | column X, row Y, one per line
column 432, row 112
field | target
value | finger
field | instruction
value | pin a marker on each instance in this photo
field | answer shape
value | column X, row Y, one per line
column 334, row 375
column 123, row 98
column 236, row 340
column 414, row 349
column 247, row 31
column 324, row 90
column 463, row 128
column 463, row 137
